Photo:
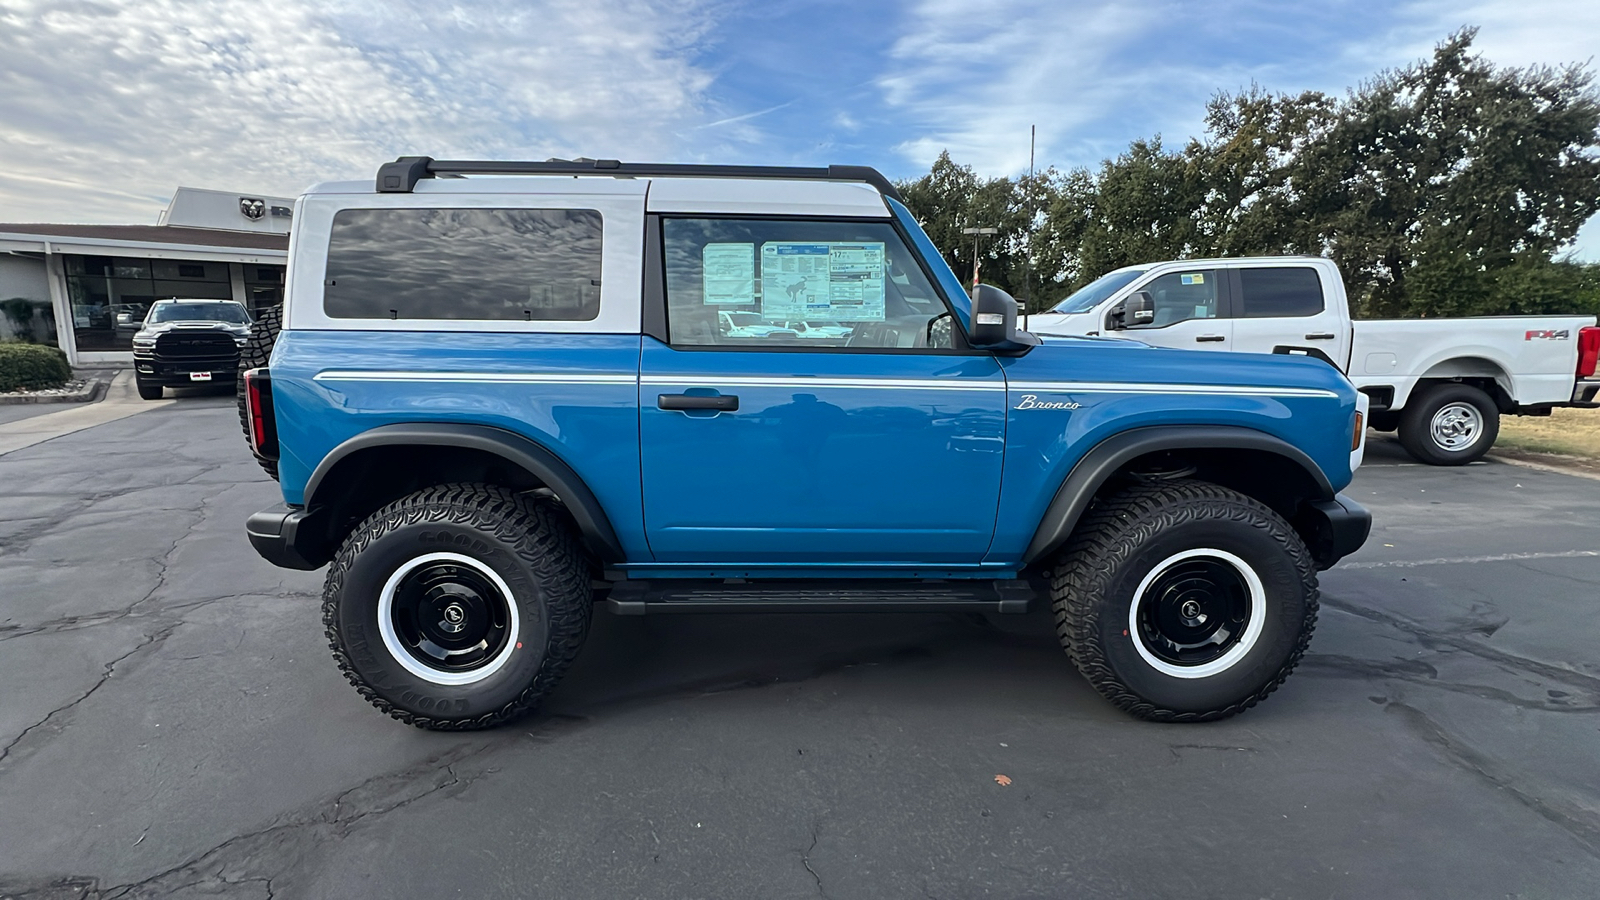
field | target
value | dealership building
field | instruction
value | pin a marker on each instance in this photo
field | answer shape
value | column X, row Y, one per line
column 86, row 288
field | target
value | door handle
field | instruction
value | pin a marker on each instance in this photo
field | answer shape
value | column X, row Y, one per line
column 1320, row 336
column 1204, row 338
column 723, row 403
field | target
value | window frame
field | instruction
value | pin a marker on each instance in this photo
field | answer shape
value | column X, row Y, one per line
column 655, row 320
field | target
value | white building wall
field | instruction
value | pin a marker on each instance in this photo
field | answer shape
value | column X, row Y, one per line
column 200, row 208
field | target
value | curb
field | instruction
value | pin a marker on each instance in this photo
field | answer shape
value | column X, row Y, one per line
column 95, row 390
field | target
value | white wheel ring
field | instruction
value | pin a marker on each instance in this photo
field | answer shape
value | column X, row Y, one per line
column 398, row 651
column 1247, row 641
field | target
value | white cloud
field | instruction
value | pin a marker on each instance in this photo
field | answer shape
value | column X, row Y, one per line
column 106, row 106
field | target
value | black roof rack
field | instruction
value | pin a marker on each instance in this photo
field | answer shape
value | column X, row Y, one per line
column 400, row 176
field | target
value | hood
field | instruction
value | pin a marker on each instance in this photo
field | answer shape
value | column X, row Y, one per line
column 1045, row 324
column 161, row 328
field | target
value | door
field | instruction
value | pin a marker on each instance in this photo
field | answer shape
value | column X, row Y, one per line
column 806, row 400
column 1286, row 309
column 1190, row 311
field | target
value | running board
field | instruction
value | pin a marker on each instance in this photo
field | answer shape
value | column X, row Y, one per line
column 636, row 598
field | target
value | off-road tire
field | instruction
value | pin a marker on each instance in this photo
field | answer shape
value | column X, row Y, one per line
column 1125, row 538
column 1417, row 417
column 149, row 391
column 527, row 541
column 255, row 353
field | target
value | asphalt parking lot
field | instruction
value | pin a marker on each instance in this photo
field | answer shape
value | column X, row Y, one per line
column 171, row 724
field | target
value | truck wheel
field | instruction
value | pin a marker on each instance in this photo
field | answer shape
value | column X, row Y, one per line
column 458, row 607
column 149, row 391
column 1449, row 425
column 255, row 354
column 1184, row 601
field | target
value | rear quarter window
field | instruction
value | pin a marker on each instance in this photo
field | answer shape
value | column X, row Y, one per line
column 1279, row 291
column 484, row 264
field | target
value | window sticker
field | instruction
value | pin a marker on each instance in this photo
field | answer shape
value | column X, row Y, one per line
column 729, row 274
column 1196, row 278
column 839, row 281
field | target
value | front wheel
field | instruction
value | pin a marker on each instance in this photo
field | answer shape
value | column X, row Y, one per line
column 1449, row 425
column 1184, row 601
column 149, row 391
column 458, row 607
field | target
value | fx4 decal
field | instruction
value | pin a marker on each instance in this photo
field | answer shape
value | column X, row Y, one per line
column 1561, row 335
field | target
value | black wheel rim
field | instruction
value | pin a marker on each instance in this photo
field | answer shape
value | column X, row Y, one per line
column 450, row 617
column 1194, row 612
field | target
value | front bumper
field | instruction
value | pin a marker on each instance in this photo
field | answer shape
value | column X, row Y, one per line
column 1333, row 529
column 289, row 537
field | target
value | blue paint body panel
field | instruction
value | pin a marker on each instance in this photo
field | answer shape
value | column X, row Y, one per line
column 594, row 428
column 845, row 457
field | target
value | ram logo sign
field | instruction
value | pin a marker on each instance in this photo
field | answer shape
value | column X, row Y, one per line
column 1560, row 335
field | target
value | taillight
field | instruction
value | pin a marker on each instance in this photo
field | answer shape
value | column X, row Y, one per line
column 1588, row 351
column 258, row 399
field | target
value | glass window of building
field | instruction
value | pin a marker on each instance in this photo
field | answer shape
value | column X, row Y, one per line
column 111, row 295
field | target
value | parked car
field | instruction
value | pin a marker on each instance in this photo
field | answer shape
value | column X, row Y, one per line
column 1442, row 383
column 186, row 342
column 477, row 471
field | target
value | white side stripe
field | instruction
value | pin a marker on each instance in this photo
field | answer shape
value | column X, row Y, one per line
column 1098, row 387
column 478, row 377
column 792, row 382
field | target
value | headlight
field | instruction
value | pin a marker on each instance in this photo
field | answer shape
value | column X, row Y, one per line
column 144, row 343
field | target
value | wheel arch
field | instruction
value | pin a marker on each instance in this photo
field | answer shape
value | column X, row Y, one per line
column 1252, row 462
column 368, row 471
column 1480, row 370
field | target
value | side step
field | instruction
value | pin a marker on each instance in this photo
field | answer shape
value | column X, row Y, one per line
column 734, row 595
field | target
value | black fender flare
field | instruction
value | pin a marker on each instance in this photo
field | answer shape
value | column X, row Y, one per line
column 520, row 451
column 1091, row 472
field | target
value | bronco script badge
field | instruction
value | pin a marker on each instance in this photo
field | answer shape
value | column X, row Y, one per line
column 1031, row 401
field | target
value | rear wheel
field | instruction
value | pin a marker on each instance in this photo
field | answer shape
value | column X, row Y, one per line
column 1449, row 425
column 255, row 354
column 1184, row 601
column 149, row 391
column 458, row 607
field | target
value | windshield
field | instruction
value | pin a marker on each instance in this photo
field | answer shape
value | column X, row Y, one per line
column 232, row 313
column 1090, row 295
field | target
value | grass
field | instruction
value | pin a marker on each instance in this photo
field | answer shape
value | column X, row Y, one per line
column 1571, row 432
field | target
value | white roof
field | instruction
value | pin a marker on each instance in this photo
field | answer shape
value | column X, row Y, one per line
column 694, row 195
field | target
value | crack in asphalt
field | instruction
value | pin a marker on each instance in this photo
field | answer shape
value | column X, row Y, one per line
column 1420, row 673
column 90, row 620
column 265, row 855
column 1445, row 642
column 805, row 858
column 24, row 539
column 1582, row 824
column 154, row 639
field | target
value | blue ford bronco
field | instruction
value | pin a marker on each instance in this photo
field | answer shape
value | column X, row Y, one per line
column 504, row 393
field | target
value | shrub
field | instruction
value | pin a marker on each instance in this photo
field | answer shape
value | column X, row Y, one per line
column 32, row 367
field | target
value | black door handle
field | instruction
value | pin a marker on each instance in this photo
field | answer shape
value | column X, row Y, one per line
column 1320, row 336
column 1209, row 337
column 724, row 403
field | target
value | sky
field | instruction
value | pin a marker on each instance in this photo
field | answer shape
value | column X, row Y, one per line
column 107, row 106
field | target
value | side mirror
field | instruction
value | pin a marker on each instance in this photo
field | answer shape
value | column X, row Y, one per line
column 994, row 322
column 1138, row 309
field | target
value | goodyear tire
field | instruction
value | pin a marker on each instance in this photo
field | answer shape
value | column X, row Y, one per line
column 1449, row 425
column 1184, row 601
column 458, row 607
column 255, row 354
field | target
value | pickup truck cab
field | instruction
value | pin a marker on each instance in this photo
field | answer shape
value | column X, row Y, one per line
column 1442, row 383
column 501, row 399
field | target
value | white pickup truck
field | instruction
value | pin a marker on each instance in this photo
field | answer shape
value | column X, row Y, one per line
column 1442, row 383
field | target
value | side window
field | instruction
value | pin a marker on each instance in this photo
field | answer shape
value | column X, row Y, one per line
column 763, row 283
column 494, row 264
column 1286, row 291
column 1181, row 296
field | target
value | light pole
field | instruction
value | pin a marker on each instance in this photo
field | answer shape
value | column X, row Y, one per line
column 977, row 235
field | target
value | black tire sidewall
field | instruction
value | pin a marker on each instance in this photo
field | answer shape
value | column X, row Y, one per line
column 1287, row 600
column 1416, row 433
column 357, row 620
